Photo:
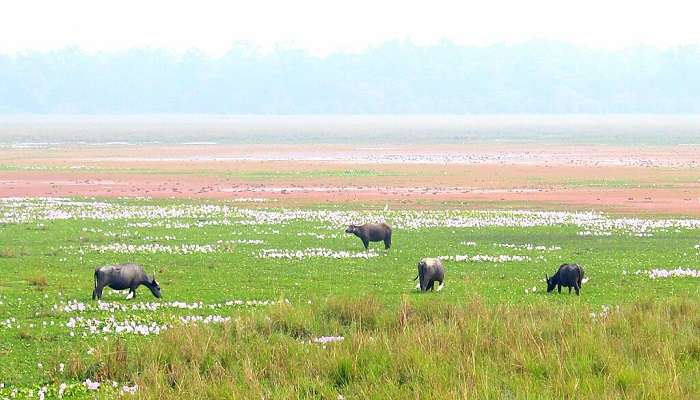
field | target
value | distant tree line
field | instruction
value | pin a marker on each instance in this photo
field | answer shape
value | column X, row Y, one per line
column 396, row 78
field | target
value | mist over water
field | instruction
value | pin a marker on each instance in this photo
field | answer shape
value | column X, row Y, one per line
column 32, row 131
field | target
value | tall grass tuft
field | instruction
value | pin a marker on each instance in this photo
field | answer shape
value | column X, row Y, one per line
column 362, row 313
column 40, row 282
column 417, row 349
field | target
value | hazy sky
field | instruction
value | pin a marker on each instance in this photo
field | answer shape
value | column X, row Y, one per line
column 323, row 27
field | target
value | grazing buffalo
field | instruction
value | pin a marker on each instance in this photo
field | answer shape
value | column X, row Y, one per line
column 123, row 276
column 568, row 275
column 372, row 233
column 430, row 270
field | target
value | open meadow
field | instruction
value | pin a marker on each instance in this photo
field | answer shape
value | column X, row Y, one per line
column 266, row 296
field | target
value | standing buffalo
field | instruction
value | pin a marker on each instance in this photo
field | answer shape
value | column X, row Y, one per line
column 430, row 270
column 372, row 233
column 568, row 275
column 123, row 276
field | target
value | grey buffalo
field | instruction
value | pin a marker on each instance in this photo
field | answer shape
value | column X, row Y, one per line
column 430, row 270
column 372, row 233
column 568, row 275
column 123, row 276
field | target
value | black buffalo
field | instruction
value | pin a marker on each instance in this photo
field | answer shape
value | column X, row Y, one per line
column 372, row 233
column 123, row 276
column 430, row 270
column 568, row 275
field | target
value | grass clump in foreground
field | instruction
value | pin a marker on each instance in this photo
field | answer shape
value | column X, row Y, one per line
column 645, row 349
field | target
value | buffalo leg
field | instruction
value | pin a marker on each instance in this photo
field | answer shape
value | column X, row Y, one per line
column 577, row 288
column 569, row 289
column 559, row 288
column 430, row 286
column 366, row 243
column 387, row 243
column 97, row 293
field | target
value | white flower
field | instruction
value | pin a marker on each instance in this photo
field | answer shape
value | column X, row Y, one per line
column 61, row 389
column 130, row 389
column 328, row 339
column 91, row 385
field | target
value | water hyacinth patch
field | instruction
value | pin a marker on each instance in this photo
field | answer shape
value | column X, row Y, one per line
column 502, row 258
column 319, row 236
column 151, row 248
column 111, row 307
column 140, row 326
column 529, row 247
column 594, row 233
column 242, row 241
column 94, row 326
column 136, row 326
column 660, row 273
column 88, row 387
column 209, row 319
column 313, row 252
column 35, row 210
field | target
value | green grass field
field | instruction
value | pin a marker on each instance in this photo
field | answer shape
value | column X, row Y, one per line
column 270, row 284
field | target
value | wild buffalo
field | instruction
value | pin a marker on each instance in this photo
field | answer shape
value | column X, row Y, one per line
column 430, row 270
column 568, row 275
column 372, row 233
column 123, row 276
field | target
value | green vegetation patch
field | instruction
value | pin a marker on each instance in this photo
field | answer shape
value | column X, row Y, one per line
column 281, row 303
